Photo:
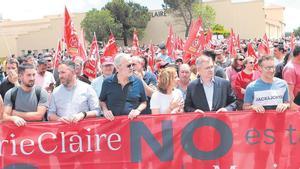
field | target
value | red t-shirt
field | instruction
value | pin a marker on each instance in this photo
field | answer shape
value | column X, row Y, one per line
column 241, row 82
column 291, row 74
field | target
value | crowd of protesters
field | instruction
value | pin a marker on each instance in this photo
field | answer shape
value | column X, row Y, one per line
column 32, row 89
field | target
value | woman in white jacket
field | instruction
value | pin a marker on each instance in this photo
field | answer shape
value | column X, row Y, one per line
column 167, row 100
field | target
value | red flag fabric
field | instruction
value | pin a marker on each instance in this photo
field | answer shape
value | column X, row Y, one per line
column 70, row 35
column 263, row 49
column 94, row 49
column 266, row 44
column 111, row 48
column 178, row 44
column 81, row 52
column 232, row 35
column 233, row 140
column 186, row 57
column 202, row 44
column 58, row 55
column 238, row 42
column 170, row 44
column 251, row 51
column 292, row 41
column 192, row 44
column 90, row 68
column 231, row 46
column 209, row 35
column 151, row 57
column 135, row 44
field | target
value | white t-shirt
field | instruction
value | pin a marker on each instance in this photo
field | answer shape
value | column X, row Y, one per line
column 162, row 101
column 44, row 81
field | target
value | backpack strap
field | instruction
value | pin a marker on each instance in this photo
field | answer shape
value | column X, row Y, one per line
column 14, row 93
column 38, row 90
column 13, row 97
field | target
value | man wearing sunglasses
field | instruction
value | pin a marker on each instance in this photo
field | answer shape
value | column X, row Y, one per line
column 122, row 93
column 267, row 92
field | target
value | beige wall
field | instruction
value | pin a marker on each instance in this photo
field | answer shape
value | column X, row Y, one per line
column 274, row 21
column 245, row 18
column 33, row 34
column 158, row 28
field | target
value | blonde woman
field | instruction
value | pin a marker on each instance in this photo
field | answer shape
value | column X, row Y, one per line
column 167, row 100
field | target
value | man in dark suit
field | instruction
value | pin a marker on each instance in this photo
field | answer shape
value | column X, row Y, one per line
column 208, row 92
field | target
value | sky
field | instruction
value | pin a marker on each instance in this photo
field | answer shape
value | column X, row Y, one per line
column 34, row 9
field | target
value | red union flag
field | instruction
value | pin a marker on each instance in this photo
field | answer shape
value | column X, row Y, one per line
column 151, row 57
column 263, row 49
column 193, row 42
column 94, row 49
column 231, row 47
column 90, row 68
column 111, row 48
column 58, row 55
column 251, row 51
column 170, row 44
column 265, row 45
column 179, row 43
column 81, row 52
column 208, row 37
column 70, row 35
column 238, row 42
column 135, row 44
column 292, row 41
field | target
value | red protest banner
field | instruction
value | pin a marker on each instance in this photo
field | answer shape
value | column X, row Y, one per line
column 224, row 140
column 111, row 48
column 70, row 35
column 193, row 42
column 90, row 69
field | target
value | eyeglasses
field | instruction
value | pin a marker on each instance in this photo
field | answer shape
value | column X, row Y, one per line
column 269, row 68
column 77, row 65
column 209, row 68
column 130, row 65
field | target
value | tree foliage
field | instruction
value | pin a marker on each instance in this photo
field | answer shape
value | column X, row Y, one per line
column 129, row 15
column 183, row 9
column 297, row 31
column 189, row 10
column 101, row 22
column 220, row 30
column 206, row 12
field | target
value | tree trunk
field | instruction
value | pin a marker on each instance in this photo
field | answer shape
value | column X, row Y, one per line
column 187, row 31
column 125, row 36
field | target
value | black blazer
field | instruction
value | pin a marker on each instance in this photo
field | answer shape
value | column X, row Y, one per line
column 223, row 96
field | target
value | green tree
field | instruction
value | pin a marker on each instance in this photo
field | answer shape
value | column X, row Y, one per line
column 129, row 15
column 101, row 22
column 206, row 12
column 189, row 10
column 218, row 29
column 297, row 31
column 182, row 9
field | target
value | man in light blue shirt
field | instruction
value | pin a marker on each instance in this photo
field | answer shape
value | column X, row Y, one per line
column 267, row 92
column 107, row 70
column 73, row 100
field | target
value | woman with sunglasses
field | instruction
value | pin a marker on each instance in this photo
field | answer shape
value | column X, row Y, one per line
column 236, row 66
column 243, row 78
